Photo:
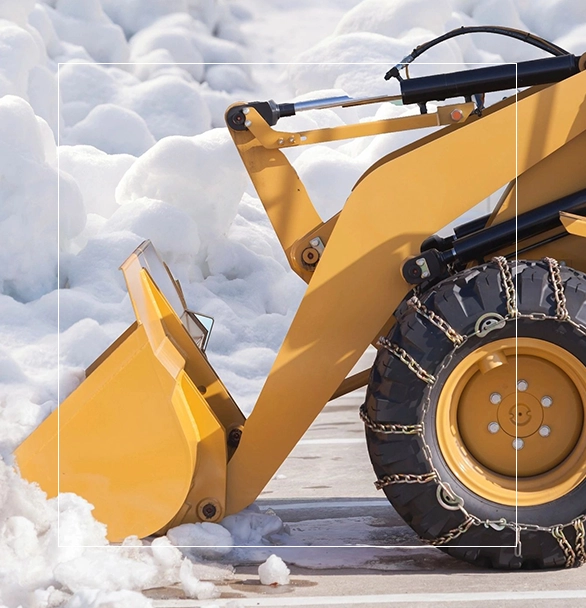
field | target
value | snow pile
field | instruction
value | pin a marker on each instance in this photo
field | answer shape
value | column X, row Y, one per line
column 86, row 25
column 274, row 572
column 381, row 32
column 30, row 176
column 53, row 551
column 126, row 107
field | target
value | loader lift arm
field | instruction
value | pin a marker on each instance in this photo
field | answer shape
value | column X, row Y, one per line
column 352, row 264
column 372, row 238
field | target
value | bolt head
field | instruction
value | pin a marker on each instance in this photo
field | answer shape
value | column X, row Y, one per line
column 291, row 140
column 420, row 262
column 495, row 398
column 247, row 123
column 494, row 427
column 546, row 401
column 209, row 510
column 545, row 431
column 314, row 242
column 234, row 437
column 522, row 385
column 518, row 443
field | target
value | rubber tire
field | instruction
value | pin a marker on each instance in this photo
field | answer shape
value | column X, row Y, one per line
column 396, row 395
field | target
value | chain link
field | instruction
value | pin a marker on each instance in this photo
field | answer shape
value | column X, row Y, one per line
column 407, row 359
column 388, row 480
column 453, row 533
column 388, row 428
column 508, row 285
column 555, row 278
column 572, row 556
column 580, row 533
column 558, row 533
column 434, row 318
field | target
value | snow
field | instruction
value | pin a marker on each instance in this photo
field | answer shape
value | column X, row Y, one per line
column 29, row 178
column 201, row 176
column 85, row 24
column 113, row 129
column 118, row 106
column 97, row 174
column 274, row 572
column 203, row 539
column 394, row 19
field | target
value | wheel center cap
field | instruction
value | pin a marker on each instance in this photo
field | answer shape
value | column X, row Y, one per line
column 521, row 413
column 520, row 419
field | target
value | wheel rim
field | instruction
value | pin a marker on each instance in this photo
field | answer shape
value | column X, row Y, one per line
column 515, row 405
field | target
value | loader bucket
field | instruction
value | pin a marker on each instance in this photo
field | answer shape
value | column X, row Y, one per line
column 131, row 437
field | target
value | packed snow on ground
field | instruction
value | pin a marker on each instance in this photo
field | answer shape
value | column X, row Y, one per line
column 134, row 93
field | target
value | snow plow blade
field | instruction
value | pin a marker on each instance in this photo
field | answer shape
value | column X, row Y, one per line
column 135, row 435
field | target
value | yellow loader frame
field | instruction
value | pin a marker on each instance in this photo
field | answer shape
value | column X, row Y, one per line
column 153, row 439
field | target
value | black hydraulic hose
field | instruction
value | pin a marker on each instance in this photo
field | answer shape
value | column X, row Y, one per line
column 528, row 38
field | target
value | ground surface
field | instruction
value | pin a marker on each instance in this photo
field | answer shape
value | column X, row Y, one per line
column 324, row 491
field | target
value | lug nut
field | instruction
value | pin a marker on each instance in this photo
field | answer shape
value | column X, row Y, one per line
column 546, row 401
column 495, row 398
column 494, row 427
column 522, row 385
column 518, row 443
column 545, row 431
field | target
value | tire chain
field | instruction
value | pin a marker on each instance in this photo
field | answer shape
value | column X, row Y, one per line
column 452, row 335
column 407, row 359
column 574, row 556
column 387, row 480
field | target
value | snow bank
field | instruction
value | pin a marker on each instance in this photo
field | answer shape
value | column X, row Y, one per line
column 112, row 129
column 169, row 106
column 29, row 204
column 134, row 15
column 97, row 174
column 166, row 105
column 85, row 24
column 202, row 176
column 17, row 11
column 20, row 52
column 394, row 19
column 80, row 35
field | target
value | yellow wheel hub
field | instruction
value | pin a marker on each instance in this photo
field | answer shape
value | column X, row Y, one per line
column 510, row 419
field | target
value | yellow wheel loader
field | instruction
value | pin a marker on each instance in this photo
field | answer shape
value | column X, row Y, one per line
column 475, row 407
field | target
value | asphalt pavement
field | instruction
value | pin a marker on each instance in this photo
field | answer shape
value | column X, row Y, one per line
column 348, row 547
